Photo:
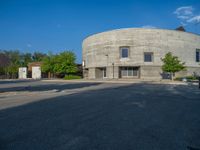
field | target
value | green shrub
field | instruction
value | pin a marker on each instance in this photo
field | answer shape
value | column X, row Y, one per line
column 178, row 78
column 71, row 77
column 189, row 78
column 192, row 78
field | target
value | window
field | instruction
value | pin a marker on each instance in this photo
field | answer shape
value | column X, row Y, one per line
column 129, row 71
column 148, row 57
column 198, row 55
column 124, row 52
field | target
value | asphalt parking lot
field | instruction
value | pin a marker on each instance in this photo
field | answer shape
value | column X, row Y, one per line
column 38, row 115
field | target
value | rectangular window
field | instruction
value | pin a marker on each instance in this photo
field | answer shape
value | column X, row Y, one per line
column 129, row 71
column 148, row 57
column 135, row 72
column 124, row 52
column 124, row 71
column 198, row 55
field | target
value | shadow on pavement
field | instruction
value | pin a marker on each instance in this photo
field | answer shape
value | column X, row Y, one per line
column 16, row 81
column 138, row 116
column 47, row 87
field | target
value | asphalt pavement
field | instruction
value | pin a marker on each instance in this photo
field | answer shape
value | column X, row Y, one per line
column 38, row 115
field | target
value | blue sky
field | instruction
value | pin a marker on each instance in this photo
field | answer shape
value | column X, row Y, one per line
column 56, row 25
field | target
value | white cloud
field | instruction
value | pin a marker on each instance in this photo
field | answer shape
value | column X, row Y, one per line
column 148, row 27
column 183, row 17
column 184, row 11
column 186, row 15
column 195, row 19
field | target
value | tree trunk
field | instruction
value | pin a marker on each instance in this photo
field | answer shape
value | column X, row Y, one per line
column 172, row 76
column 49, row 75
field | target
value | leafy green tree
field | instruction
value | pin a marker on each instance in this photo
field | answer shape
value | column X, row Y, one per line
column 27, row 58
column 48, row 64
column 65, row 63
column 4, row 63
column 4, row 60
column 14, row 57
column 172, row 64
column 38, row 56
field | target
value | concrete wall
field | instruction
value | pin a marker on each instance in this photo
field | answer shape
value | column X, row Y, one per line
column 98, row 73
column 101, row 50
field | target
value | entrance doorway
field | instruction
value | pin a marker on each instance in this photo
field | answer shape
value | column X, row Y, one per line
column 101, row 73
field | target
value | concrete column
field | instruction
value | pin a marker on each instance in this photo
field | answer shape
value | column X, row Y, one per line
column 116, row 72
column 110, row 72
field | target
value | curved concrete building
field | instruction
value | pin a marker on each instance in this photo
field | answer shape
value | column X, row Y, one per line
column 137, row 53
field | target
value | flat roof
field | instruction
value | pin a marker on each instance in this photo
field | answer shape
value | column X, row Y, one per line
column 140, row 29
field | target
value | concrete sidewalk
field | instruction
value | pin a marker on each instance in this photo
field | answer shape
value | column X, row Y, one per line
column 128, row 81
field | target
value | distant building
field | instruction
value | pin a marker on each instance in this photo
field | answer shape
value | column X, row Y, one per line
column 22, row 74
column 35, row 69
column 137, row 53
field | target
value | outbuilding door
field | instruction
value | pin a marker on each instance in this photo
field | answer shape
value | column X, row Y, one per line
column 36, row 72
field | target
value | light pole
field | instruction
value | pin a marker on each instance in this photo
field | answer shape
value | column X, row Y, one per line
column 106, row 60
column 113, row 69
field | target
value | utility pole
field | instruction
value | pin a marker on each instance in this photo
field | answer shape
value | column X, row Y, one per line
column 113, row 69
column 106, row 60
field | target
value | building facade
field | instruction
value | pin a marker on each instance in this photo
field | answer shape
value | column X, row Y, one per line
column 137, row 53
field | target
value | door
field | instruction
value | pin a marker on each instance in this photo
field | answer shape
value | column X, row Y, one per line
column 22, row 73
column 36, row 72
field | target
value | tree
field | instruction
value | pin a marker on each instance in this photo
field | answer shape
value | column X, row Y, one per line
column 14, row 58
column 38, row 56
column 63, row 63
column 4, row 63
column 172, row 64
column 48, row 64
column 27, row 58
column 4, row 60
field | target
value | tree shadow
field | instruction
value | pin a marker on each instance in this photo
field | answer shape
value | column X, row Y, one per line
column 47, row 87
column 16, row 81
